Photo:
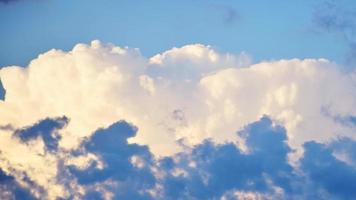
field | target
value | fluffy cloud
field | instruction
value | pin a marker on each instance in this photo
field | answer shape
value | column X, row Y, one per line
column 192, row 62
column 189, row 94
column 120, row 170
column 327, row 173
column 9, row 189
column 60, row 135
column 126, row 167
column 209, row 171
column 296, row 93
column 97, row 85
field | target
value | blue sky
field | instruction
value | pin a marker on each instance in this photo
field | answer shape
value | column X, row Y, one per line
column 262, row 29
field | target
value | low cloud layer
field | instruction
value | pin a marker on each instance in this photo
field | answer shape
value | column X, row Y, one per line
column 106, row 166
column 101, row 121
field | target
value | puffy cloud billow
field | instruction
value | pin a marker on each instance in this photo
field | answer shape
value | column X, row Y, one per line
column 105, row 122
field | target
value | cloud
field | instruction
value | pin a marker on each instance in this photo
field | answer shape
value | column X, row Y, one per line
column 327, row 172
column 31, row 158
column 9, row 189
column 332, row 17
column 46, row 129
column 101, row 121
column 192, row 62
column 214, row 94
column 80, row 84
column 125, row 165
column 209, row 171
column 116, row 169
column 231, row 15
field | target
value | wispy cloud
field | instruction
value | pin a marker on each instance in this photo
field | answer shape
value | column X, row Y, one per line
column 330, row 17
column 7, row 1
column 229, row 14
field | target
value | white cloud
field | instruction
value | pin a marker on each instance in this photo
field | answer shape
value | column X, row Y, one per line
column 190, row 93
column 191, row 62
column 293, row 92
column 98, row 84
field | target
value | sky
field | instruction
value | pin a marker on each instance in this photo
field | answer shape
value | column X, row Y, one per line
column 199, row 99
column 259, row 28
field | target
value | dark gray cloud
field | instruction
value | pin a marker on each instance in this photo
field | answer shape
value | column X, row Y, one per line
column 205, row 171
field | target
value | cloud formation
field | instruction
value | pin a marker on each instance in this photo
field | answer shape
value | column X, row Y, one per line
column 210, row 171
column 106, row 166
column 189, row 93
column 101, row 121
column 126, row 167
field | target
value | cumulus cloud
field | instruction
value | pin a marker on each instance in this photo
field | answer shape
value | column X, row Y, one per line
column 213, row 94
column 62, row 132
column 209, row 171
column 126, row 167
column 219, row 171
column 191, row 62
column 109, row 83
column 120, row 170
column 29, row 156
column 9, row 189
column 328, row 173
column 45, row 129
